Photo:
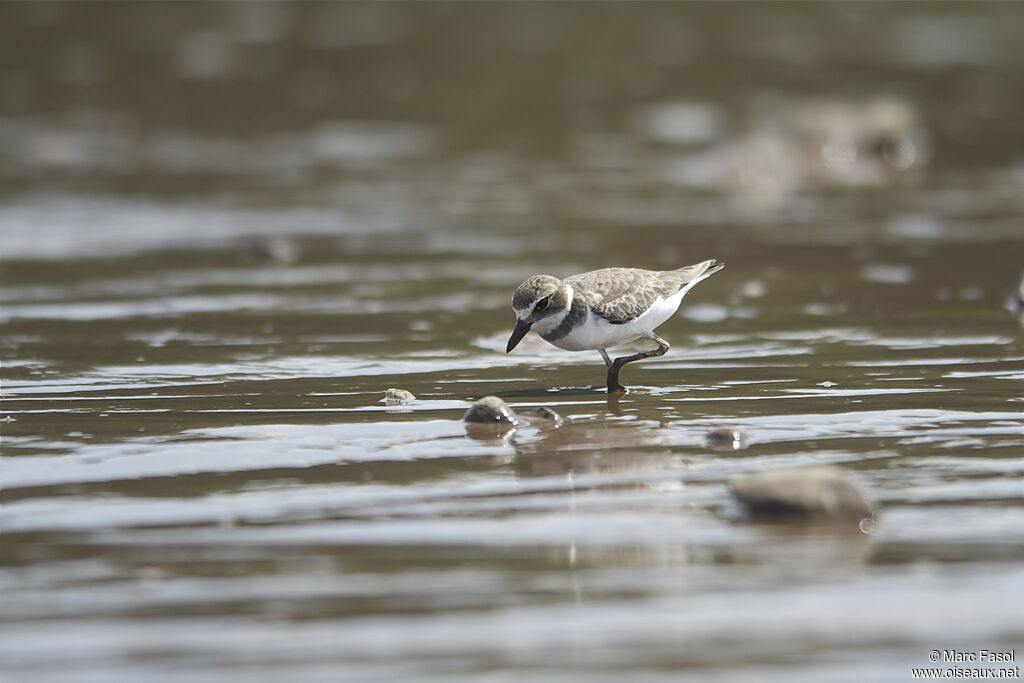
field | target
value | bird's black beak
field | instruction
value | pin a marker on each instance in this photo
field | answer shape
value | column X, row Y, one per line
column 517, row 335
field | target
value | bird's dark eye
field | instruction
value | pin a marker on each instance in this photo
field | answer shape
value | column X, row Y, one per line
column 542, row 304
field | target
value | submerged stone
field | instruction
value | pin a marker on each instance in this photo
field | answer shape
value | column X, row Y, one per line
column 398, row 397
column 491, row 410
column 824, row 493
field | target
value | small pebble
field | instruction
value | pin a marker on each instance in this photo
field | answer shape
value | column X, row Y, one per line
column 725, row 440
column 822, row 493
column 549, row 415
column 491, row 410
column 271, row 248
column 398, row 397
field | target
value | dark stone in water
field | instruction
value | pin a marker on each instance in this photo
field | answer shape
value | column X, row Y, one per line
column 491, row 410
column 725, row 439
column 823, row 493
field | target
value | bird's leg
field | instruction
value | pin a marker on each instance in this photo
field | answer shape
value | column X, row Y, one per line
column 613, row 369
column 604, row 354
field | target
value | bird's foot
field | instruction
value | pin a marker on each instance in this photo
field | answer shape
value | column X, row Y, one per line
column 613, row 380
column 615, row 388
column 613, row 376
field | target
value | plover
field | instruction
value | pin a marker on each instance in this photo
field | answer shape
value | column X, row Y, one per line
column 603, row 309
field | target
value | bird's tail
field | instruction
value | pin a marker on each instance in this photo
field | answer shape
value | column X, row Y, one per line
column 696, row 272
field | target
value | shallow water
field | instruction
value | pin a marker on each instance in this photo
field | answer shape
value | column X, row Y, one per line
column 199, row 324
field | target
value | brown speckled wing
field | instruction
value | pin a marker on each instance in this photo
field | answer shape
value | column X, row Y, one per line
column 620, row 295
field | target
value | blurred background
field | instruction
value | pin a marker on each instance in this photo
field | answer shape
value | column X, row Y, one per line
column 502, row 115
column 227, row 228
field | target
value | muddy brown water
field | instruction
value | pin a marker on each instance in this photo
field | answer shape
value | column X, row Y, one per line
column 201, row 312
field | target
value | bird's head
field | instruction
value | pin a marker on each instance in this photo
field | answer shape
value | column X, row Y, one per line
column 541, row 301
